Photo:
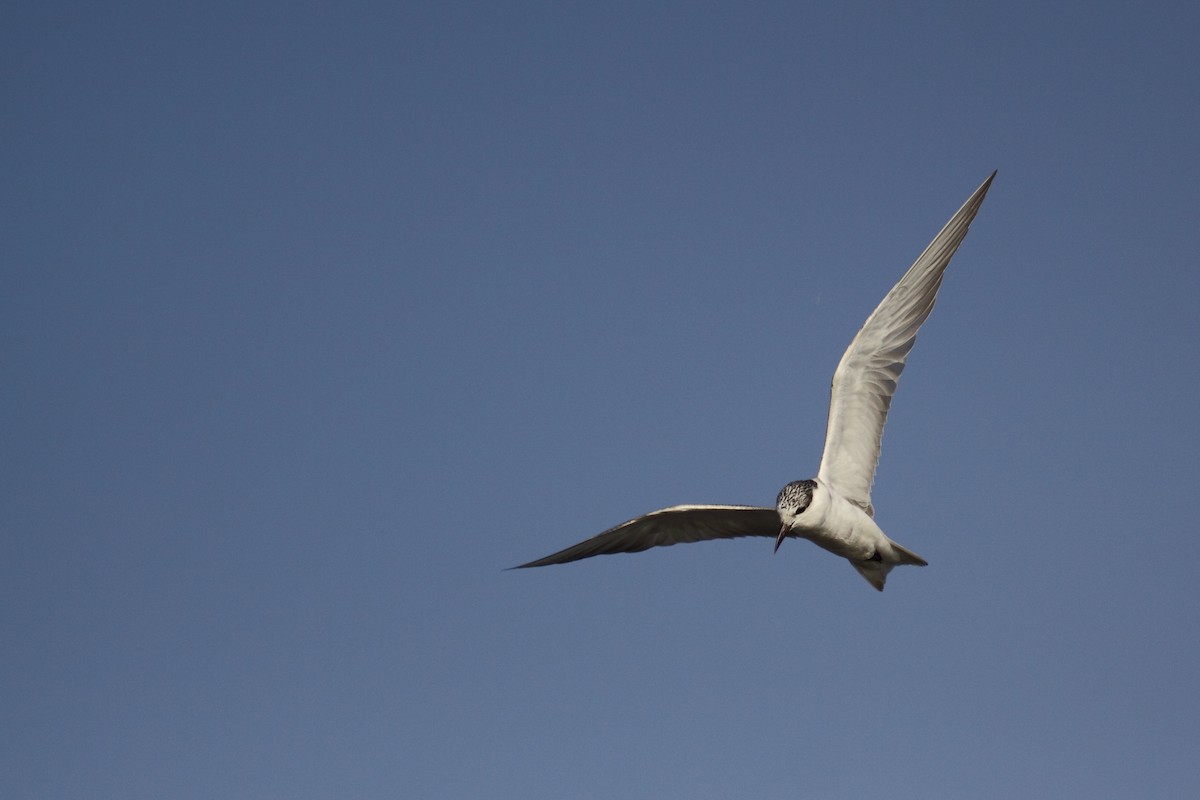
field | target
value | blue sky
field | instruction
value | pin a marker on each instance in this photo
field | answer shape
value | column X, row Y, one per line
column 315, row 317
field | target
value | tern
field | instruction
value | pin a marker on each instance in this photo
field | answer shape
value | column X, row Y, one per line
column 832, row 510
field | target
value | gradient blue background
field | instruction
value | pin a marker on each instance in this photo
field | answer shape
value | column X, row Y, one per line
column 316, row 316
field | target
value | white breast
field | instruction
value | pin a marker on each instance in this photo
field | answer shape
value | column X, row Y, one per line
column 839, row 526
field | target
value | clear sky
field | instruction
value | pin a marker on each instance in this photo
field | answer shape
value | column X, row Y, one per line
column 317, row 316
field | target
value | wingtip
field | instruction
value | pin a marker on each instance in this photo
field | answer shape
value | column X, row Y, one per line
column 971, row 206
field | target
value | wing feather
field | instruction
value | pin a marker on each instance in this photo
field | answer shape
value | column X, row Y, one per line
column 866, row 377
column 667, row 526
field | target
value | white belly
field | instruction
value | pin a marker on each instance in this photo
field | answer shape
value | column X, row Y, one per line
column 837, row 525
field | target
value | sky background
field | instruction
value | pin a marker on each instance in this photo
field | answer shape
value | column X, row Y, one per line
column 317, row 316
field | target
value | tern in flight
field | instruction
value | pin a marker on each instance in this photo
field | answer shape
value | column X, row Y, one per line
column 833, row 510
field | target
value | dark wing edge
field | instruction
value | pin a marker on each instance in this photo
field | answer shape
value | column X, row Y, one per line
column 668, row 526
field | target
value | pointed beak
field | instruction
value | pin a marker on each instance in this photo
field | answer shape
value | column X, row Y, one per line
column 783, row 532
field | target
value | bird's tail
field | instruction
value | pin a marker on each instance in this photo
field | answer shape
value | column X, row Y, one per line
column 907, row 556
column 874, row 571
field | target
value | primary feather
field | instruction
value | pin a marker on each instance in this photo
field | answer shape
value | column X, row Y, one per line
column 866, row 377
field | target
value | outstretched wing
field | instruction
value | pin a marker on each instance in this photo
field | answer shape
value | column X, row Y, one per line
column 668, row 526
column 866, row 377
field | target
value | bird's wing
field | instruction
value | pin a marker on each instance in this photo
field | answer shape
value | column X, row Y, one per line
column 667, row 526
column 866, row 377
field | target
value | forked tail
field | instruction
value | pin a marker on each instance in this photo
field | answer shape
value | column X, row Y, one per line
column 876, row 572
column 907, row 556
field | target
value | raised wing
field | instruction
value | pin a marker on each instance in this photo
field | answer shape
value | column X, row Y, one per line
column 668, row 526
column 866, row 377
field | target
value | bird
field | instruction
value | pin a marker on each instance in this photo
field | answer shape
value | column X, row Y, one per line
column 832, row 510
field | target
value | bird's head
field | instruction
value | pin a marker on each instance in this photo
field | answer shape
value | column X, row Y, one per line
column 792, row 501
